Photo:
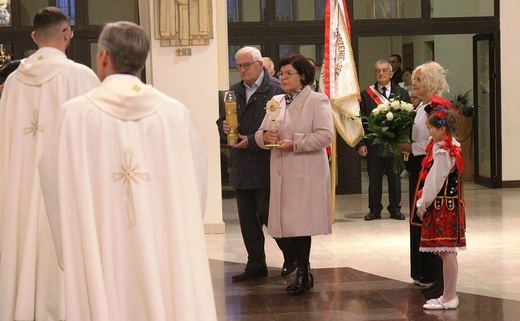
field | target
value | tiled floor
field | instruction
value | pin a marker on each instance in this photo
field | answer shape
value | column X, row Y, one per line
column 362, row 269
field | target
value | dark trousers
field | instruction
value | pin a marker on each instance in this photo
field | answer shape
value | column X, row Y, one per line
column 302, row 249
column 377, row 166
column 422, row 264
column 253, row 212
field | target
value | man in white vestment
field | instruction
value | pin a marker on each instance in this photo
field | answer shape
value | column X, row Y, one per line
column 125, row 185
column 31, row 282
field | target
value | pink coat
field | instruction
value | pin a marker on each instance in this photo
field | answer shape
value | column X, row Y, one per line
column 300, row 203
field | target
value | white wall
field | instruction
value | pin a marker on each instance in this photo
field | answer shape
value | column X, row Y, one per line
column 460, row 70
column 193, row 80
column 510, row 46
column 371, row 50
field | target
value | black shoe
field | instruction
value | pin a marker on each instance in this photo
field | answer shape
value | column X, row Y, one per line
column 397, row 215
column 304, row 281
column 247, row 275
column 288, row 268
column 372, row 216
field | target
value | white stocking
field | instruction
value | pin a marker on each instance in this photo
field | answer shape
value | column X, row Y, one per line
column 450, row 268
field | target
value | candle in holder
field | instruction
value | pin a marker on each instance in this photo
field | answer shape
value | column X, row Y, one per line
column 231, row 117
column 273, row 108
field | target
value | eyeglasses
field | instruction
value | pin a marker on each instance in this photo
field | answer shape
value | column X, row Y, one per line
column 246, row 66
column 71, row 32
column 287, row 74
column 384, row 70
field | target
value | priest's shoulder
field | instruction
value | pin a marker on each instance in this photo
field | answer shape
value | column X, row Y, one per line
column 82, row 68
column 171, row 103
column 77, row 104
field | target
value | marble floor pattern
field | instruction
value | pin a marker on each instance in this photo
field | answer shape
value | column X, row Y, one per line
column 362, row 269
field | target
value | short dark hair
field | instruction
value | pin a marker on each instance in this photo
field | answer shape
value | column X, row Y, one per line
column 302, row 65
column 47, row 17
column 399, row 59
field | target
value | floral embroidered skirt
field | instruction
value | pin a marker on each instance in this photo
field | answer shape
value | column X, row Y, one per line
column 444, row 226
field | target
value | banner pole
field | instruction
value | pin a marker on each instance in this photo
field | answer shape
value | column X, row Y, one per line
column 333, row 158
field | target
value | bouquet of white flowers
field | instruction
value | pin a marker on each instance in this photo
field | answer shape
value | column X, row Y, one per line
column 389, row 125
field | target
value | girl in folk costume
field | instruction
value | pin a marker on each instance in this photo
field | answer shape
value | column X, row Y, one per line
column 439, row 199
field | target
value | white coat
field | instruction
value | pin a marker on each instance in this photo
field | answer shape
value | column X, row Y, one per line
column 300, row 202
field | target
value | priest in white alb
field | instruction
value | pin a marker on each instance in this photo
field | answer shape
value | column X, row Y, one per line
column 31, row 282
column 125, row 184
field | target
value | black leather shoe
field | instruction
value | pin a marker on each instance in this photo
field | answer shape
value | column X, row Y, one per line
column 246, row 275
column 304, row 282
column 397, row 215
column 372, row 216
column 288, row 268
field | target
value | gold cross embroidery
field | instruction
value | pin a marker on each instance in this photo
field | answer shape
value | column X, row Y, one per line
column 136, row 88
column 130, row 175
column 40, row 57
column 35, row 126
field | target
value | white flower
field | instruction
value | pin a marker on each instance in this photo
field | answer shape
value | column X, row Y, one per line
column 395, row 104
column 389, row 116
column 272, row 107
column 384, row 108
column 375, row 111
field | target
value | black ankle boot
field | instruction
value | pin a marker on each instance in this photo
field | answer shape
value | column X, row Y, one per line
column 304, row 281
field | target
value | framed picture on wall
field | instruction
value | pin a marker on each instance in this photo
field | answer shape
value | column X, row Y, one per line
column 385, row 9
column 5, row 13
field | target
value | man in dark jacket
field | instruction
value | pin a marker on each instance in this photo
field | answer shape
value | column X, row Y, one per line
column 377, row 164
column 250, row 164
column 6, row 70
column 395, row 61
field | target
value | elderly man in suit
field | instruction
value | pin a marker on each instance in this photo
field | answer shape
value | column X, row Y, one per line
column 377, row 165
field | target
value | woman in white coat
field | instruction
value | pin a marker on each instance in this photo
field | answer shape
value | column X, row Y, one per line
column 300, row 123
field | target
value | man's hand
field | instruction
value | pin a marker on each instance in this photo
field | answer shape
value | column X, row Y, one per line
column 244, row 143
column 225, row 127
column 405, row 147
column 363, row 151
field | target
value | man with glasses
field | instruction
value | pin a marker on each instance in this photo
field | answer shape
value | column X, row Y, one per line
column 31, row 282
column 250, row 176
column 377, row 164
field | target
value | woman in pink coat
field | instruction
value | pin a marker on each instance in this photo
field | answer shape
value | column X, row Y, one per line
column 300, row 124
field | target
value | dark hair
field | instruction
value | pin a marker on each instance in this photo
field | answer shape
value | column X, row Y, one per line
column 410, row 70
column 47, row 17
column 312, row 61
column 444, row 117
column 399, row 59
column 303, row 66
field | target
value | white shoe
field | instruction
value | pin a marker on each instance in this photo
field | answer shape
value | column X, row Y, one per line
column 436, row 304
